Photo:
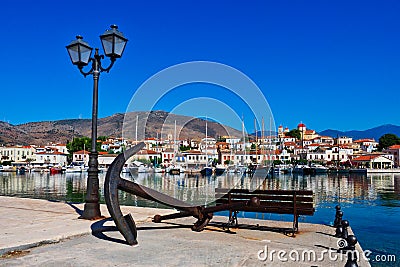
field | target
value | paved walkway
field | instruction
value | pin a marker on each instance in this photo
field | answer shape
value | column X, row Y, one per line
column 39, row 232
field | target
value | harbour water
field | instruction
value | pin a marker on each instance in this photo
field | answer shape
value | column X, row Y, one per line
column 370, row 203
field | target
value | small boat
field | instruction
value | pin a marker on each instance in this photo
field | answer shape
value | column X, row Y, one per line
column 220, row 169
column 20, row 170
column 75, row 167
column 159, row 170
column 55, row 170
column 175, row 169
column 206, row 171
column 302, row 169
column 358, row 171
column 318, row 169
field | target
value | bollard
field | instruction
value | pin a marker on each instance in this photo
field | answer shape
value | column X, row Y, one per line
column 351, row 251
column 338, row 216
column 341, row 229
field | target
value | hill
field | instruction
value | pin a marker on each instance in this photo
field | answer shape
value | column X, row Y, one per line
column 41, row 133
column 375, row 132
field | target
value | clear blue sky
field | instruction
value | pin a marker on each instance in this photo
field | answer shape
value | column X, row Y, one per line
column 330, row 64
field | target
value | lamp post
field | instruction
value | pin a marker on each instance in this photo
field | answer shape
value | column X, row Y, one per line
column 113, row 42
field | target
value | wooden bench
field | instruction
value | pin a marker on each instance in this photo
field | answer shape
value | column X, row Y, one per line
column 296, row 202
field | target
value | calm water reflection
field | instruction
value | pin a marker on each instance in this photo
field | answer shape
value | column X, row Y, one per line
column 371, row 204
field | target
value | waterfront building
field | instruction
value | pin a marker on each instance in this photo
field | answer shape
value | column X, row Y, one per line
column 106, row 159
column 146, row 154
column 59, row 147
column 195, row 158
column 81, row 156
column 17, row 153
column 167, row 155
column 283, row 155
column 395, row 152
column 375, row 161
column 49, row 158
column 330, row 154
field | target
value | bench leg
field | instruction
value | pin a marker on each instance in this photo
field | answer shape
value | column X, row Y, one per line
column 232, row 221
column 295, row 223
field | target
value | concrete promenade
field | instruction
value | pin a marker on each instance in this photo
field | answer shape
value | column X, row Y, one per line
column 44, row 233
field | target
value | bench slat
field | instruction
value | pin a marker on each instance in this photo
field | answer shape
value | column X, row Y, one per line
column 264, row 192
column 265, row 197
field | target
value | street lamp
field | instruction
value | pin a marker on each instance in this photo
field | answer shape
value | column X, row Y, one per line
column 113, row 42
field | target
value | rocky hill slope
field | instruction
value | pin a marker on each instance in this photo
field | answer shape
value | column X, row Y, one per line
column 155, row 122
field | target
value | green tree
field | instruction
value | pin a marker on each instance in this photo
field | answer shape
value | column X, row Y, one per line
column 294, row 133
column 82, row 143
column 388, row 140
column 102, row 138
column 228, row 162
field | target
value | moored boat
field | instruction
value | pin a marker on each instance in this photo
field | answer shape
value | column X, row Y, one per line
column 206, row 171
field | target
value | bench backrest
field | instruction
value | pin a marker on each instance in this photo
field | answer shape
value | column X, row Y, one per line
column 271, row 201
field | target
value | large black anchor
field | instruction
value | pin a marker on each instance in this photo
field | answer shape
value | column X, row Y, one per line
column 126, row 225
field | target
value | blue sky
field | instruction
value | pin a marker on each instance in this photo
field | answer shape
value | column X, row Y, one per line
column 330, row 64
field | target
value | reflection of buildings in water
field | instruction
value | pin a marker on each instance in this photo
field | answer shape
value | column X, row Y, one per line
column 383, row 181
column 198, row 190
column 37, row 185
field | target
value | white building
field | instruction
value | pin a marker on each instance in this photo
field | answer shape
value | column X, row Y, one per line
column 50, row 158
column 81, row 156
column 344, row 140
column 17, row 153
column 395, row 152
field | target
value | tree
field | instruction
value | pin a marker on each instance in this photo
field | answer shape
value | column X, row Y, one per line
column 294, row 133
column 388, row 140
column 102, row 138
column 82, row 143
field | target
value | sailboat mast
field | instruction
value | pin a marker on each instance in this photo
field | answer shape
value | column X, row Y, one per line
column 137, row 117
column 175, row 147
column 244, row 140
column 255, row 130
column 206, row 144
column 262, row 138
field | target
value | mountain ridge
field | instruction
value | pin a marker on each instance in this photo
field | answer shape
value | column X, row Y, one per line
column 375, row 132
column 61, row 131
column 153, row 122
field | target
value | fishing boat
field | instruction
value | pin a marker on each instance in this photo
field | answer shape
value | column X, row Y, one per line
column 219, row 169
column 318, row 169
column 206, row 171
column 55, row 170
column 302, row 169
column 75, row 167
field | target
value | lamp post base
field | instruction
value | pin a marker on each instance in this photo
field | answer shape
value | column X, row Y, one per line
column 91, row 211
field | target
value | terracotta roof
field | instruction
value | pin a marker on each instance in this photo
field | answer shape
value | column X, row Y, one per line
column 50, row 153
column 365, row 158
column 289, row 143
column 394, row 147
column 309, row 132
column 364, row 140
column 301, row 125
column 81, row 152
column 146, row 152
